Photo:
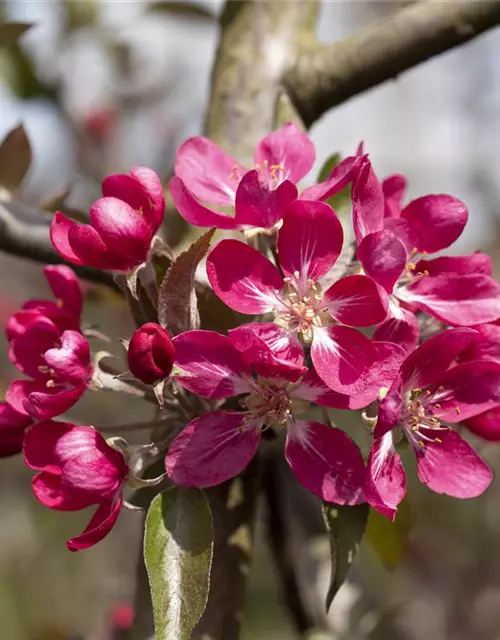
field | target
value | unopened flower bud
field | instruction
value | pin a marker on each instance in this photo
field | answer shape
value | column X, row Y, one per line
column 151, row 353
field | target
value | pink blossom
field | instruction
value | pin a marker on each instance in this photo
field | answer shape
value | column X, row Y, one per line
column 150, row 353
column 309, row 243
column 59, row 365
column 12, row 429
column 428, row 392
column 456, row 290
column 204, row 173
column 219, row 445
column 77, row 469
column 122, row 223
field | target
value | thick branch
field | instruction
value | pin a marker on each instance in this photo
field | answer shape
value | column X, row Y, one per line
column 23, row 234
column 325, row 76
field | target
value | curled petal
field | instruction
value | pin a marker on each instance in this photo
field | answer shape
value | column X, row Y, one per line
column 257, row 205
column 326, row 462
column 288, row 149
column 92, row 251
column 40, row 445
column 428, row 363
column 284, row 345
column 13, row 426
column 383, row 258
column 150, row 353
column 50, row 491
column 59, row 236
column 386, row 484
column 28, row 349
column 339, row 178
column 210, row 364
column 101, row 524
column 367, row 203
column 356, row 301
column 243, row 278
column 207, row 171
column 65, row 287
column 447, row 464
column 458, row 300
column 403, row 331
column 194, row 212
column 42, row 402
column 211, row 449
column 486, row 345
column 394, row 188
column 153, row 188
column 434, row 222
column 310, row 240
column 343, row 358
column 486, row 425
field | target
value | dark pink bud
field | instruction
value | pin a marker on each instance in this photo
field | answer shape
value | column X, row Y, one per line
column 151, row 353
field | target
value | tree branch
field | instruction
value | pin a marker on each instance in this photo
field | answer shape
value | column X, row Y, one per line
column 23, row 234
column 325, row 76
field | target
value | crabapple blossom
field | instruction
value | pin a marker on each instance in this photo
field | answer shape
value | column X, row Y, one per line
column 219, row 445
column 122, row 223
column 77, row 469
column 428, row 393
column 206, row 173
column 309, row 243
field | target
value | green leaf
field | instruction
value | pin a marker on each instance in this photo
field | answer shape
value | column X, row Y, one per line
column 10, row 32
column 388, row 539
column 178, row 555
column 15, row 158
column 345, row 526
column 328, row 165
column 177, row 304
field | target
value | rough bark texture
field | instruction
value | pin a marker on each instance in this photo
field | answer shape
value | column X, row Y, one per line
column 325, row 76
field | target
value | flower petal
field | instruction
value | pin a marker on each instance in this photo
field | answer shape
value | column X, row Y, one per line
column 257, row 205
column 59, row 236
column 284, row 345
column 356, row 301
column 447, row 464
column 486, row 345
column 92, row 251
column 310, row 240
column 459, row 300
column 466, row 391
column 40, row 445
column 265, row 361
column 210, row 364
column 383, row 258
column 98, row 528
column 404, row 331
column 368, row 203
column 326, row 462
column 435, row 221
column 486, row 425
column 43, row 403
column 428, row 363
column 386, row 484
column 123, row 229
column 13, row 426
column 394, row 187
column 289, row 148
column 28, row 349
column 49, row 490
column 473, row 263
column 208, row 172
column 243, row 278
column 342, row 358
column 211, row 449
column 341, row 175
column 151, row 183
column 71, row 361
column 194, row 212
column 66, row 287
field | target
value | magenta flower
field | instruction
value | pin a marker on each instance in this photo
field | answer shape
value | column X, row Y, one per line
column 457, row 290
column 13, row 426
column 309, row 243
column 77, row 469
column 204, row 173
column 122, row 223
column 219, row 445
column 59, row 365
column 428, row 392
column 65, row 311
column 150, row 353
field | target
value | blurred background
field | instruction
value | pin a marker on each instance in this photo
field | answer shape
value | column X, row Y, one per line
column 103, row 86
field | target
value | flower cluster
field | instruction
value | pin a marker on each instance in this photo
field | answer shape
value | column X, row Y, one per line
column 353, row 314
